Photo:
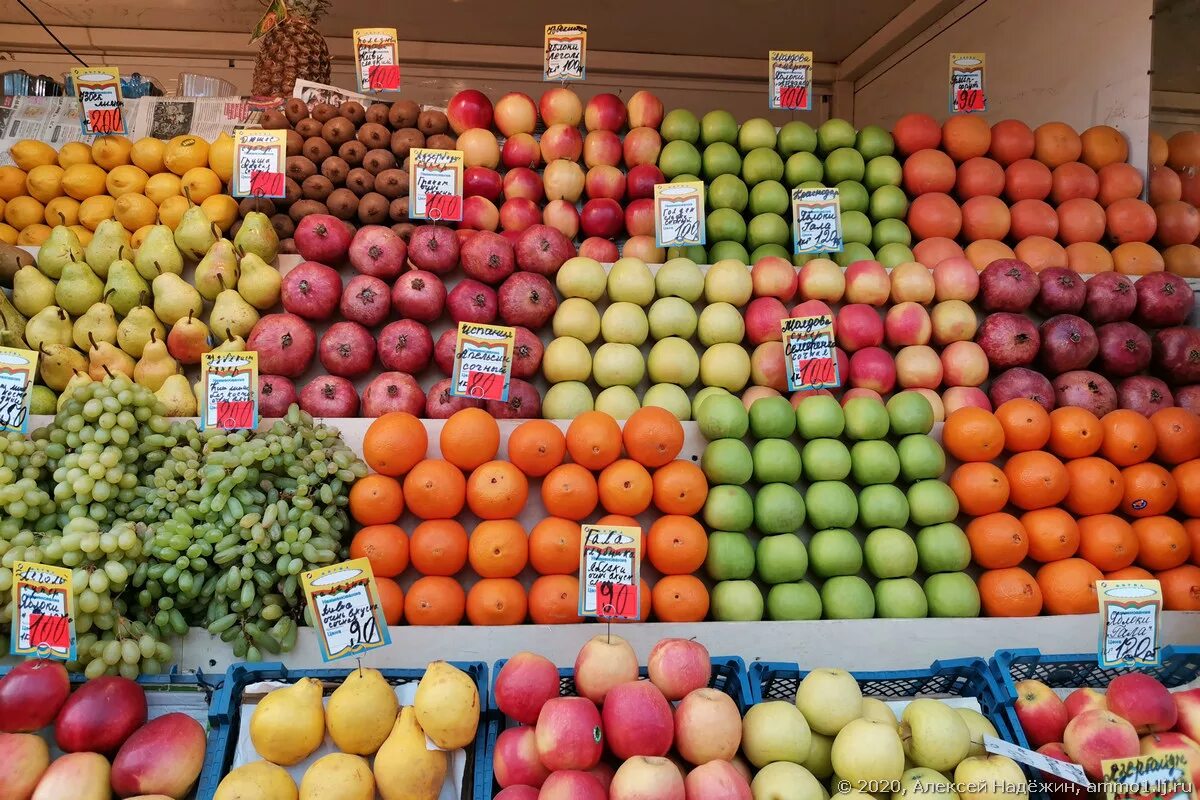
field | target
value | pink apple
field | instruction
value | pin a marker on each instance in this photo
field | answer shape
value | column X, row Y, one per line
column 873, row 368
column 1174, row 742
column 907, row 323
column 1143, row 701
column 964, row 364
column 469, row 108
column 708, row 727
column 717, row 780
column 1187, row 704
column 569, row 734
column 603, row 773
column 858, row 326
column 918, row 367
column 763, row 317
column 602, row 217
column 768, row 367
column 953, row 321
column 935, row 402
column 819, row 308
column 480, row 214
column 645, row 110
column 639, row 217
column 479, row 148
column 563, row 180
column 604, row 181
column 1086, row 699
column 483, row 182
column 603, row 662
column 561, row 141
column 850, row 394
column 563, row 217
column 517, row 793
column 521, row 150
column 560, row 106
column 821, row 279
column 637, row 720
column 603, row 250
column 1042, row 714
column 516, row 113
column 957, row 397
column 867, row 282
column 524, row 684
column 774, row 276
column 757, row 392
column 604, row 112
column 572, row 785
column 642, row 146
column 522, row 182
column 678, row 666
column 955, row 278
column 601, row 148
column 518, row 213
column 516, row 758
column 639, row 183
column 798, row 396
column 643, row 247
column 912, row 282
column 1096, row 736
column 647, row 778
column 1057, row 788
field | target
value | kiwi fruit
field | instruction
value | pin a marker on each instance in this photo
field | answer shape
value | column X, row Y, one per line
column 316, row 149
column 342, row 203
column 295, row 110
column 378, row 160
column 431, row 122
column 372, row 209
column 274, row 120
column 294, row 143
column 283, row 225
column 352, row 152
column 392, row 183
column 403, row 114
column 378, row 113
column 374, row 135
column 360, row 181
column 406, row 139
column 302, row 208
column 353, row 111
column 338, row 131
column 308, row 127
column 441, row 141
column 288, row 246
column 397, row 210
column 299, row 167
column 262, row 204
column 404, row 229
column 291, row 193
column 335, row 168
column 323, row 112
column 316, row 187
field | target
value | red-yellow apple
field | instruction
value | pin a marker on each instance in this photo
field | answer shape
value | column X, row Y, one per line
column 964, row 364
column 521, row 150
column 603, row 662
column 953, row 321
column 562, row 106
column 774, row 276
column 601, row 147
column 469, row 108
column 516, row 759
column 1041, row 712
column 821, row 279
column 604, row 181
column 480, row 214
column 641, row 179
column 572, row 785
column 563, row 179
column 563, row 217
column 644, row 110
column 1058, row 788
column 524, row 183
column 606, row 112
column 569, row 735
column 867, row 282
column 708, row 727
column 643, row 247
column 639, row 217
column 516, row 113
column 1172, row 742
column 647, row 778
column 479, row 148
column 1187, row 704
column 482, row 181
column 678, row 666
column 1096, row 736
column 518, row 213
column 524, row 684
column 637, row 720
column 602, row 217
column 717, row 780
column 602, row 250
column 642, row 146
column 1085, row 699
column 561, row 141
column 918, row 367
column 1143, row 701
column 912, row 282
column 907, row 323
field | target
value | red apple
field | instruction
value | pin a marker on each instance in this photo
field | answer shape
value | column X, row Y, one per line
column 603, row 773
column 957, row 397
column 560, row 105
column 568, row 734
column 516, row 758
column 717, row 780
column 774, row 276
column 639, row 217
column 955, row 278
column 521, row 150
column 907, row 323
column 763, row 316
column 645, row 110
column 517, row 793
column 563, row 217
column 918, row 367
column 866, row 282
column 642, row 146
column 518, row 213
column 964, row 364
column 572, row 785
column 482, row 182
column 678, row 666
column 524, row 684
column 1042, row 714
column 1096, row 736
column 561, row 141
column 480, row 214
column 708, row 727
column 952, row 321
column 1085, row 699
column 601, row 148
column 1057, row 788
column 640, row 181
column 100, row 715
column 604, row 181
column 858, row 391
column 858, row 325
column 819, row 308
column 603, row 250
column 821, row 279
column 604, row 112
column 637, row 720
column 768, row 368
column 563, row 180
column 647, row 778
column 523, row 182
column 469, row 108
column 1161, row 743
column 1187, row 704
column 516, row 113
column 602, row 217
column 463, row 234
column 1143, row 701
column 873, row 368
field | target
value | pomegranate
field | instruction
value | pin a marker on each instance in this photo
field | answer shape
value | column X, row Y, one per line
column 347, row 349
column 379, row 252
column 329, row 396
column 1163, row 300
column 527, row 299
column 1062, row 291
column 543, row 249
column 366, row 300
column 323, row 238
column 31, row 695
column 419, row 295
column 1085, row 389
column 440, row 404
column 1022, row 382
column 1144, row 394
column 527, row 353
column 275, row 395
column 285, row 344
column 1068, row 343
column 100, row 715
column 406, row 346
column 471, row 301
column 488, row 257
column 523, row 402
column 1008, row 284
column 1176, row 355
column 393, row 391
column 1124, row 349
column 311, row 290
column 443, row 351
column 433, row 248
column 1110, row 298
column 1188, row 397
column 1009, row 340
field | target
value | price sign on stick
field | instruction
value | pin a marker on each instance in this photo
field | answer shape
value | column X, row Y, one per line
column 1063, row 769
column 43, row 612
column 482, row 361
column 791, row 80
column 679, row 214
column 99, row 93
column 345, row 607
column 816, row 220
column 565, row 53
column 259, row 158
column 1160, row 776
column 610, row 560
column 229, row 382
column 376, row 59
column 18, row 369
column 435, row 184
column 966, row 83
column 1129, row 623
column 809, row 355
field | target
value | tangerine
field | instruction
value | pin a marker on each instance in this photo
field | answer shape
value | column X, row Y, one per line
column 680, row 488
column 554, row 546
column 376, row 500
column 1036, row 480
column 997, row 540
column 439, row 547
column 972, row 434
column 1026, row 424
column 1187, row 481
column 1192, row 526
column 594, row 440
column 469, row 438
column 1095, row 486
column 536, row 447
column 497, row 601
column 1069, row 586
column 1181, row 588
column 1010, row 592
column 981, row 488
column 1053, row 534
column 1129, row 574
column 497, row 490
column 384, row 546
column 554, row 600
column 1163, row 543
column 569, row 491
column 680, row 598
column 435, row 600
column 1178, row 434
column 1129, row 438
column 391, row 600
column 435, row 489
column 499, row 548
column 1149, row 490
column 1107, row 541
column 676, row 545
column 652, row 436
column 394, row 443
column 1074, row 432
column 625, row 487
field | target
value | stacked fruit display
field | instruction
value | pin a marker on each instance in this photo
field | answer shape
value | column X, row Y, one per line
column 1175, row 194
column 1081, row 496
column 105, row 745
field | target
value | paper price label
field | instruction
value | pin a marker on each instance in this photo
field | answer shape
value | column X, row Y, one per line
column 344, row 602
column 435, row 184
column 679, row 214
column 1062, row 769
column 791, row 80
column 816, row 220
column 259, row 158
column 229, row 382
column 1129, row 623
column 610, row 558
column 377, row 59
column 1161, row 775
column 966, row 83
column 809, row 353
column 564, row 53
column 276, row 13
column 99, row 93
column 43, row 612
column 482, row 361
column 18, row 369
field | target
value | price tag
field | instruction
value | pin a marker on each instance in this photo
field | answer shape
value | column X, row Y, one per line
column 435, row 184
column 565, row 53
column 679, row 214
column 229, row 382
column 1129, row 615
column 345, row 607
column 43, row 612
column 482, row 361
column 259, row 158
column 966, row 83
column 809, row 353
column 791, row 80
column 377, row 59
column 1061, row 769
column 610, row 560
column 1164, row 775
column 99, row 93
column 816, row 220
column 18, row 369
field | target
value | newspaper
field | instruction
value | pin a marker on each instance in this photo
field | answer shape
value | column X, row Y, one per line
column 311, row 93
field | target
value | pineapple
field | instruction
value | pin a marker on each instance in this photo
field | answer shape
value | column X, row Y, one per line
column 292, row 49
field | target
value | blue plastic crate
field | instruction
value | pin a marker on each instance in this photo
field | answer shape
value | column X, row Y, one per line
column 728, row 675
column 225, row 713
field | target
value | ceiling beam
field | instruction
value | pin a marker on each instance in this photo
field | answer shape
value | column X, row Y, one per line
column 915, row 18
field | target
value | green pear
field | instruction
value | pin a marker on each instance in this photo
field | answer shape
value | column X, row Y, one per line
column 195, row 233
column 99, row 324
column 232, row 344
column 175, row 298
column 218, row 270
column 105, row 359
column 177, row 397
column 232, row 315
column 258, row 282
column 49, row 326
column 12, row 325
column 158, row 254
column 32, row 291
column 189, row 339
column 258, row 236
column 58, row 362
column 134, row 331
column 60, row 248
column 43, row 400
column 77, row 379
column 125, row 287
column 155, row 365
column 108, row 244
column 78, row 288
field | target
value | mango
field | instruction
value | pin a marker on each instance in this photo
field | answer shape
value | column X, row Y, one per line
column 23, row 759
column 79, row 776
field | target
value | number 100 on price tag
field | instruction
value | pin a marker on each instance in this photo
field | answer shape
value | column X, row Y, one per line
column 791, row 80
column 482, row 361
column 43, row 612
column 435, row 184
column 345, row 607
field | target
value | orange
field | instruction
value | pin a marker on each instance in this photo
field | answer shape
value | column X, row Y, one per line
column 1010, row 592
column 981, row 488
column 569, row 491
column 997, row 540
column 1036, row 480
column 618, row 520
column 394, row 443
column 1192, row 526
column 1026, row 424
column 680, row 598
column 1129, row 438
column 680, row 488
column 1187, row 482
column 391, row 600
column 385, row 546
column 439, row 547
column 625, row 487
column 499, row 548
column 1129, row 574
column 469, row 438
column 554, row 546
column 645, row 602
column 1149, row 490
column 1107, row 541
column 1069, row 586
column 435, row 489
column 1074, row 432
column 972, row 434
column 536, row 447
column 376, row 500
column 1095, row 486
column 1053, row 534
column 497, row 490
column 652, row 436
column 1162, row 543
column 676, row 545
column 1181, row 588
column 554, row 600
column 594, row 440
column 1178, row 433
column 497, row 601
column 435, row 600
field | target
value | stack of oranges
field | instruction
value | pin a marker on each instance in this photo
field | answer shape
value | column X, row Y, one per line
column 613, row 475
column 1082, row 497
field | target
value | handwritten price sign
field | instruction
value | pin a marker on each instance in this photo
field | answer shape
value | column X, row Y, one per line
column 18, row 368
column 791, row 80
column 435, row 184
column 99, row 93
column 229, row 382
column 679, row 214
column 809, row 353
column 565, row 53
column 344, row 602
column 259, row 157
column 817, row 220
column 1129, row 617
column 482, row 361
column 966, row 83
column 610, row 561
column 43, row 612
column 1159, row 776
column 376, row 59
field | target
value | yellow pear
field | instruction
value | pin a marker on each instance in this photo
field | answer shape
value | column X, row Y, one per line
column 447, row 706
column 258, row 780
column 289, row 723
column 405, row 767
column 361, row 712
column 177, row 397
column 338, row 776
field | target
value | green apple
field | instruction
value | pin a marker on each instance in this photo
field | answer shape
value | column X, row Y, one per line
column 876, row 709
column 737, row 601
column 718, row 126
column 630, row 281
column 671, row 316
column 581, row 277
column 775, row 731
column 720, row 322
column 578, row 318
column 679, row 158
column 624, row 323
column 618, row 364
column 725, row 225
column 728, row 191
column 680, row 125
column 922, row 783
column 671, row 397
column 702, row 395
column 728, row 281
column 726, row 365
column 680, row 277
column 756, row 133
column 791, row 601
column 722, row 416
column 796, row 137
column 619, row 402
column 820, row 751
column 783, row 780
column 730, row 556
column 566, row 359
column 829, row 699
column 567, row 400
column 720, row 158
column 999, row 778
column 673, row 360
column 868, row 753
column 890, row 553
column 979, row 726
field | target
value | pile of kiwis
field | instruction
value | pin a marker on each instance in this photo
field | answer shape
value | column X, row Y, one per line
column 349, row 161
